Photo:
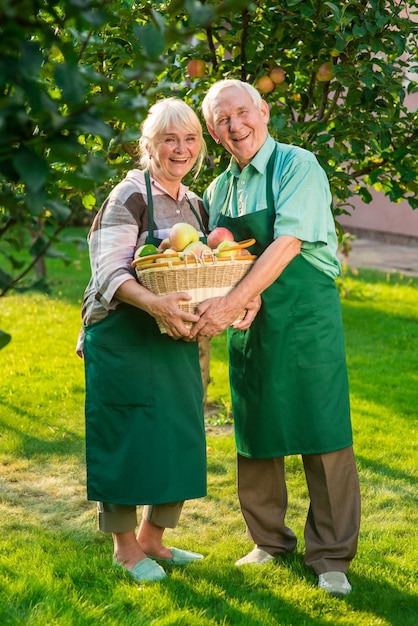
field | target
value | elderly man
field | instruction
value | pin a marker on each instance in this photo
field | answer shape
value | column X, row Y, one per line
column 288, row 373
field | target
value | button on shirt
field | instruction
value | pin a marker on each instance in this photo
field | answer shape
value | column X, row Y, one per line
column 301, row 194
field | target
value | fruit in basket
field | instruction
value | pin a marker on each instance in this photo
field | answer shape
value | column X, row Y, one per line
column 146, row 250
column 181, row 234
column 217, row 235
column 164, row 245
column 196, row 248
column 224, row 249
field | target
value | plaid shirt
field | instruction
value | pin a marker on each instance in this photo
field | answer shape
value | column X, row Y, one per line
column 120, row 227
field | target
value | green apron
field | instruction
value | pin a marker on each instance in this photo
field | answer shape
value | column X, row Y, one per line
column 288, row 375
column 145, row 433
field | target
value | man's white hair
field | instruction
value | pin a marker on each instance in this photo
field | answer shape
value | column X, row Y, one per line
column 221, row 85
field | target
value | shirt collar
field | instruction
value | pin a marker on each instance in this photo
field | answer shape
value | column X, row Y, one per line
column 259, row 161
column 182, row 190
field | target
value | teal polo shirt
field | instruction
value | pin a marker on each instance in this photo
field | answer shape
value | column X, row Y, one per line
column 301, row 194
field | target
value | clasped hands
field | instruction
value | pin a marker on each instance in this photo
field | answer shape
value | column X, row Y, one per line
column 211, row 318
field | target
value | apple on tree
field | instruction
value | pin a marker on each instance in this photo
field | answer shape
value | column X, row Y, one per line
column 196, row 68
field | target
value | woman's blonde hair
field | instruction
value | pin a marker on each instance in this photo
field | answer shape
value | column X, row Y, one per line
column 163, row 114
column 221, row 85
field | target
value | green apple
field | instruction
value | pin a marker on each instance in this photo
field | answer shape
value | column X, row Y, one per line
column 224, row 249
column 146, row 250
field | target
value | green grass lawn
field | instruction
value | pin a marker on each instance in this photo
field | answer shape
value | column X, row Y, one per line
column 56, row 568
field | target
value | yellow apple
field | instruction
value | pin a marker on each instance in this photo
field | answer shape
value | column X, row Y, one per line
column 225, row 251
column 265, row 84
column 181, row 234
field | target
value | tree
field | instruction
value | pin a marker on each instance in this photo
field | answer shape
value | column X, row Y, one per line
column 77, row 77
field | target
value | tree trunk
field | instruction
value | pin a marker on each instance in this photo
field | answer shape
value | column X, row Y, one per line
column 204, row 357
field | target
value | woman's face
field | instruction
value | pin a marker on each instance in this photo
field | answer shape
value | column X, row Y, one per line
column 174, row 154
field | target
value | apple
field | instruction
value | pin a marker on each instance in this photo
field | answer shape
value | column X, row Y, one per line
column 145, row 250
column 196, row 248
column 182, row 234
column 277, row 75
column 165, row 243
column 224, row 249
column 196, row 68
column 324, row 73
column 218, row 234
column 265, row 84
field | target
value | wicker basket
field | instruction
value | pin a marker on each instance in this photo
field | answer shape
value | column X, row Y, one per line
column 201, row 278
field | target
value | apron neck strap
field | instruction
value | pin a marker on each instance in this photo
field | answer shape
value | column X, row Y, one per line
column 269, row 177
column 150, row 203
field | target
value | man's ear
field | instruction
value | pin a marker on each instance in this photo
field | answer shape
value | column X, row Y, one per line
column 212, row 133
column 265, row 111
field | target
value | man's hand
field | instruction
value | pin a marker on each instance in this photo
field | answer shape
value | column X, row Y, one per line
column 216, row 314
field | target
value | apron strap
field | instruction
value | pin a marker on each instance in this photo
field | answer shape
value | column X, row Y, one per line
column 269, row 178
column 150, row 204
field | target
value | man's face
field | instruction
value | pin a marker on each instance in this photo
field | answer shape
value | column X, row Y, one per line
column 238, row 124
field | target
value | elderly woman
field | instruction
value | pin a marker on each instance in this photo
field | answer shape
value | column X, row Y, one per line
column 145, row 437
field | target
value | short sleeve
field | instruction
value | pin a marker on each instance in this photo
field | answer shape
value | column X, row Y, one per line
column 302, row 199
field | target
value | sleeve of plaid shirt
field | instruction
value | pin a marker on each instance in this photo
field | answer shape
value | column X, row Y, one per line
column 112, row 243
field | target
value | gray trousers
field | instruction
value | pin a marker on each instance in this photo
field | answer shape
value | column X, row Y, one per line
column 333, row 520
column 120, row 518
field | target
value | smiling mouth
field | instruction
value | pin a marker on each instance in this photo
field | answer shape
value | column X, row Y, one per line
column 239, row 139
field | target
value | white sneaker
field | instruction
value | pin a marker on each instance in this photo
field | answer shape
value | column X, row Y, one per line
column 334, row 583
column 255, row 557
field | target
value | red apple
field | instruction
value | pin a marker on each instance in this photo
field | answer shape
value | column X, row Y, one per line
column 164, row 245
column 324, row 74
column 182, row 234
column 277, row 75
column 217, row 235
column 196, row 248
column 196, row 68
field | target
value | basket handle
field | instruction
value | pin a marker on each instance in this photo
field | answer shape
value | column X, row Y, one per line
column 246, row 243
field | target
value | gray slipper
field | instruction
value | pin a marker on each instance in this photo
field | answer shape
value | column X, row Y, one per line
column 181, row 557
column 144, row 571
column 334, row 583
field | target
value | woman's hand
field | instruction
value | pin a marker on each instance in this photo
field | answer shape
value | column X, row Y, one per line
column 166, row 309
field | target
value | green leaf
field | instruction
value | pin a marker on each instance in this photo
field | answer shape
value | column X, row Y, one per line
column 151, row 38
column 32, row 169
column 58, row 209
column 89, row 201
column 71, row 83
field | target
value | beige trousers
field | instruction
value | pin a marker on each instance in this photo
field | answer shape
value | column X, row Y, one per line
column 120, row 518
column 333, row 519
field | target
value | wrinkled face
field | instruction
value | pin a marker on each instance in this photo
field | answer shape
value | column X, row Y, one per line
column 174, row 154
column 238, row 124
